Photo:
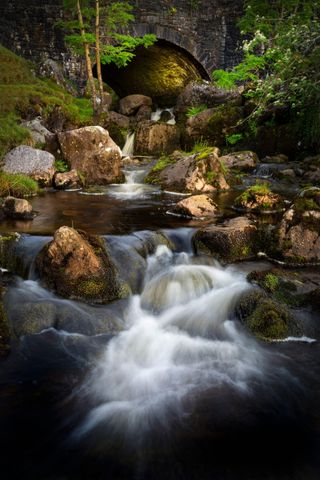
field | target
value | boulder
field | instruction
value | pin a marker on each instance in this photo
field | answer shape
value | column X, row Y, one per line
column 280, row 158
column 201, row 172
column 32, row 162
column 17, row 208
column 29, row 318
column 156, row 138
column 114, row 118
column 67, row 180
column 130, row 105
column 264, row 317
column 144, row 113
column 39, row 132
column 204, row 93
column 77, row 265
column 232, row 241
column 299, row 235
column 91, row 151
column 259, row 198
column 196, row 206
column 244, row 161
column 213, row 124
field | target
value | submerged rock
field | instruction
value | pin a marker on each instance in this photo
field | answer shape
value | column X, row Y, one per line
column 196, row 206
column 35, row 163
column 92, row 152
column 201, row 172
column 156, row 138
column 232, row 241
column 17, row 208
column 77, row 265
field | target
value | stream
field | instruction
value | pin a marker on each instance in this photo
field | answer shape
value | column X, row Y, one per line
column 165, row 384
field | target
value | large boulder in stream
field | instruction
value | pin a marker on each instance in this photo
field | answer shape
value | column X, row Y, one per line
column 17, row 208
column 130, row 104
column 77, row 265
column 195, row 206
column 156, row 138
column 299, row 232
column 232, row 241
column 92, row 152
column 202, row 172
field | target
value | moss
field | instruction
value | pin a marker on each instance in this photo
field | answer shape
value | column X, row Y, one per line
column 269, row 320
column 163, row 162
column 92, row 288
column 22, row 95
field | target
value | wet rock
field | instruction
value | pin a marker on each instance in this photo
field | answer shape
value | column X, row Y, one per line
column 8, row 252
column 281, row 158
column 201, row 172
column 144, row 113
column 17, row 208
column 232, row 241
column 265, row 318
column 91, row 151
column 196, row 206
column 244, row 161
column 259, row 198
column 77, row 265
column 156, row 138
column 39, row 132
column 67, row 180
column 114, row 118
column 32, row 318
column 130, row 105
column 299, row 232
column 287, row 173
column 204, row 93
column 35, row 163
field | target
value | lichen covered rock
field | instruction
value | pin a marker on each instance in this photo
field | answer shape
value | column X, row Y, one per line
column 92, row 152
column 232, row 241
column 17, row 208
column 259, row 198
column 196, row 206
column 77, row 265
column 66, row 180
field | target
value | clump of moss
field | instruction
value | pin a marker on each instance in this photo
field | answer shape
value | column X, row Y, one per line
column 269, row 320
column 258, row 197
column 92, row 289
column 17, row 185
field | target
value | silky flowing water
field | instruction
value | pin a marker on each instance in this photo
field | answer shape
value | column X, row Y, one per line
column 166, row 383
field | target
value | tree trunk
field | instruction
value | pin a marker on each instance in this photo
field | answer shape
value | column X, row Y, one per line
column 88, row 59
column 98, row 60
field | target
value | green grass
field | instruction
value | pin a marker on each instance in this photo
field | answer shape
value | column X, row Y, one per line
column 162, row 163
column 17, row 185
column 23, row 95
column 192, row 111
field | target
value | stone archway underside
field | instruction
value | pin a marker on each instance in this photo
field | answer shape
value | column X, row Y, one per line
column 160, row 71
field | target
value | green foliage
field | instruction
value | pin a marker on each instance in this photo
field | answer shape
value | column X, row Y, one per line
column 271, row 282
column 192, row 111
column 281, row 61
column 162, row 163
column 61, row 166
column 17, row 185
column 22, row 94
column 114, row 47
column 234, row 138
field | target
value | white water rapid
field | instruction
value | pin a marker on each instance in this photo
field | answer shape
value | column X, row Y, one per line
column 128, row 148
column 133, row 187
column 180, row 341
column 155, row 116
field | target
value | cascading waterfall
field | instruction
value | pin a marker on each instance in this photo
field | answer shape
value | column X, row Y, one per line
column 180, row 341
column 155, row 116
column 128, row 148
column 133, row 186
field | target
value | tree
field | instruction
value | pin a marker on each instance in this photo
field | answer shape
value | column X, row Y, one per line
column 281, row 60
column 87, row 18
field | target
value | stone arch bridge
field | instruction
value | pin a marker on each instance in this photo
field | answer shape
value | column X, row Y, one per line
column 195, row 37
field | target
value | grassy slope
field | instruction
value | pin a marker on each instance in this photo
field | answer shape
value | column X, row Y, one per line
column 22, row 94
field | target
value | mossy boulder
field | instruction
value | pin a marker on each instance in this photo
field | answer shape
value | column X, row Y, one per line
column 299, row 232
column 259, row 198
column 77, row 265
column 232, row 241
column 263, row 317
column 199, row 172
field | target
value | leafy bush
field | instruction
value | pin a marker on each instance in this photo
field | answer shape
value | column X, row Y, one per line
column 17, row 185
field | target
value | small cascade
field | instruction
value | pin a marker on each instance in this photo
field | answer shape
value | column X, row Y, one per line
column 156, row 116
column 128, row 148
column 133, row 186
